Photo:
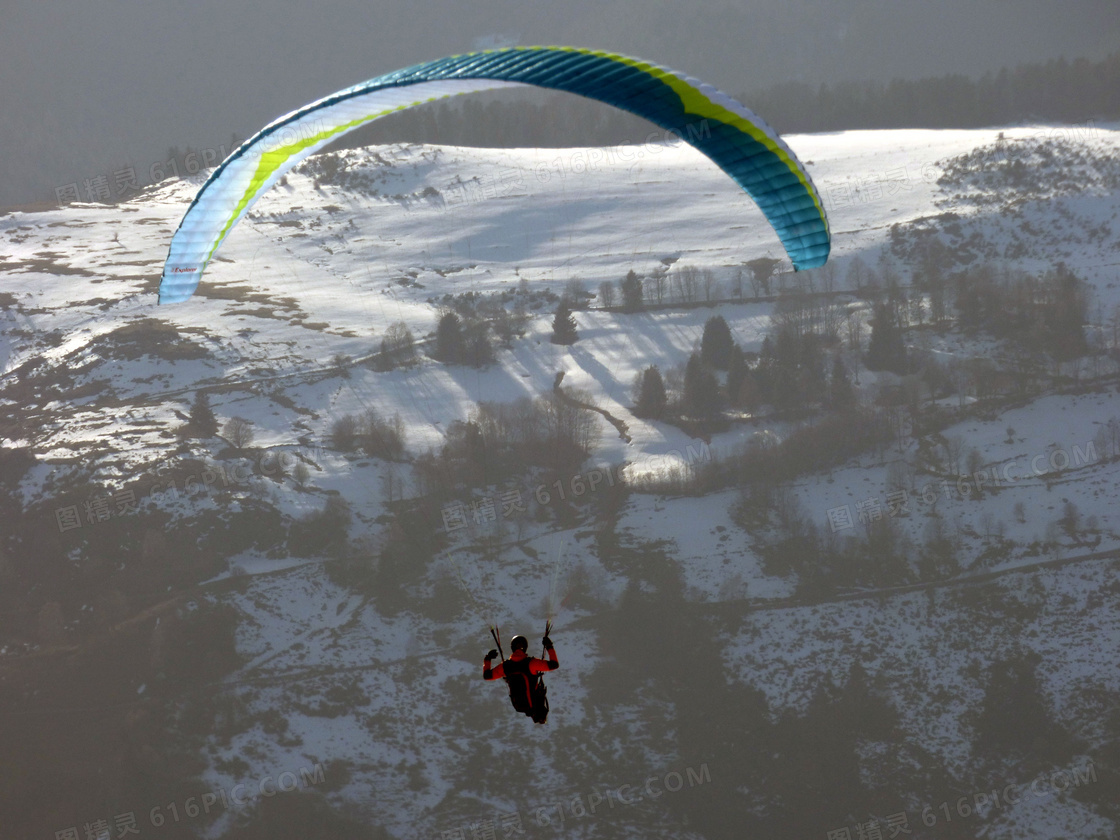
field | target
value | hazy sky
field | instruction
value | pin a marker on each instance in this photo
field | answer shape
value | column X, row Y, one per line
column 89, row 87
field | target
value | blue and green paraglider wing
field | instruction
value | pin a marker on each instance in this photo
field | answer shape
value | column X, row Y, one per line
column 740, row 143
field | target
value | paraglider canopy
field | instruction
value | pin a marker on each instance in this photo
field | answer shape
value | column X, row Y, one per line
column 738, row 141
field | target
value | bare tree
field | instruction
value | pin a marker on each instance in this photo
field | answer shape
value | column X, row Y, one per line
column 917, row 313
column 938, row 307
column 889, row 275
column 686, row 280
column 606, row 294
column 827, row 273
column 792, row 314
column 710, row 285
column 954, row 449
column 576, row 293
column 1103, row 441
column 737, row 282
column 566, row 424
column 392, row 485
column 831, row 317
column 379, row 437
column 855, row 331
column 398, row 340
column 858, row 274
column 658, row 284
column 238, row 431
column 900, row 475
column 674, row 384
column 974, row 463
column 788, row 510
column 783, row 272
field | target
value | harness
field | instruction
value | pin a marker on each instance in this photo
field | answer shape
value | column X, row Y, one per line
column 527, row 691
column 523, row 684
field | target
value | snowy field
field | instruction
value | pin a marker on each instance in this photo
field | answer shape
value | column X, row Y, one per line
column 319, row 271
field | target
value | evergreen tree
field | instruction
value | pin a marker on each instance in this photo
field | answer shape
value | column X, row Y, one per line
column 767, row 349
column 1015, row 718
column 564, row 325
column 344, row 433
column 786, row 392
column 478, row 349
column 765, row 372
column 737, row 373
column 701, row 390
column 969, row 299
column 1065, row 318
column 449, row 339
column 748, row 392
column 716, row 344
column 650, row 399
column 631, row 288
column 886, row 349
column 203, row 423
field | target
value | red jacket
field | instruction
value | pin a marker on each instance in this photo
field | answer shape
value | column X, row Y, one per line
column 536, row 666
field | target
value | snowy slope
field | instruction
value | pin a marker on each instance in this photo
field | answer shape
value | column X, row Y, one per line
column 316, row 271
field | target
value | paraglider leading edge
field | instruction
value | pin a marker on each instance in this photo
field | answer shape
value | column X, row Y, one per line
column 732, row 136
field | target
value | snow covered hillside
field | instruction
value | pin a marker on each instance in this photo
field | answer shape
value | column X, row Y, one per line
column 285, row 332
